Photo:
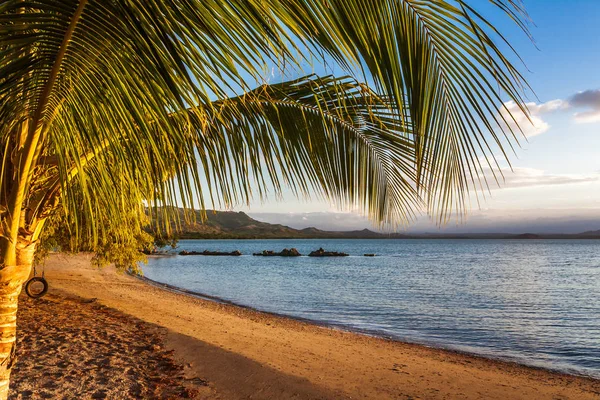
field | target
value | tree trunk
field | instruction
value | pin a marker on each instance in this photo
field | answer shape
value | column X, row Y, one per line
column 12, row 278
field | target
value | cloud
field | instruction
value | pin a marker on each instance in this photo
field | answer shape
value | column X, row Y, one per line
column 520, row 179
column 336, row 221
column 529, row 177
column 535, row 125
column 589, row 99
column 500, row 220
column 491, row 220
column 548, row 107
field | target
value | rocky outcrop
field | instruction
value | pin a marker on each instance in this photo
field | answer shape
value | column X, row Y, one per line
column 210, row 253
column 323, row 253
column 283, row 253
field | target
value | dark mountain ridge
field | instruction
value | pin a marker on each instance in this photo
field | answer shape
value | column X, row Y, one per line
column 238, row 225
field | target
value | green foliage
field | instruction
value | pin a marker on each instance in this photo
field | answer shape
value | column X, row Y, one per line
column 120, row 245
column 162, row 241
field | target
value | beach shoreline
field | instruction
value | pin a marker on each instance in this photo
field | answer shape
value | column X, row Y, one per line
column 298, row 358
column 352, row 330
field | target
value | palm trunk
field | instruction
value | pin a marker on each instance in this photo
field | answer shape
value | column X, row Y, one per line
column 12, row 278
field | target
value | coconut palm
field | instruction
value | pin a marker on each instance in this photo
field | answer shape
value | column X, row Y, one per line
column 107, row 107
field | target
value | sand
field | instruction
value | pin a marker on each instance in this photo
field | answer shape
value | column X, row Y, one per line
column 78, row 349
column 218, row 351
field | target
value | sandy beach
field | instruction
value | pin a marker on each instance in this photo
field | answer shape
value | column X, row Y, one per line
column 101, row 334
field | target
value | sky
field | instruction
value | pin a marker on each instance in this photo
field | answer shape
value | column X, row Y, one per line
column 555, row 182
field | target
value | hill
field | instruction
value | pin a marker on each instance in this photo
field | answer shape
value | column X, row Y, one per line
column 238, row 225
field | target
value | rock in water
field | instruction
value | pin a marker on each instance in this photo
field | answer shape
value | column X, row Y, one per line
column 283, row 253
column 323, row 253
column 210, row 253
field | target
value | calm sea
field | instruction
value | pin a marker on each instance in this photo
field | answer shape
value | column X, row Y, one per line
column 536, row 302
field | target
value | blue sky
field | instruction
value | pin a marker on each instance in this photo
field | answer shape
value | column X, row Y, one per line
column 556, row 181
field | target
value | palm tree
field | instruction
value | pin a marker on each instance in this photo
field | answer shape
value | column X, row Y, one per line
column 110, row 106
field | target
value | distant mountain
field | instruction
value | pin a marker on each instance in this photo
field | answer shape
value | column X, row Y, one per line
column 527, row 236
column 590, row 234
column 238, row 225
column 225, row 225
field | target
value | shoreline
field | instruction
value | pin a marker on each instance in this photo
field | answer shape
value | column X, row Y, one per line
column 302, row 356
column 357, row 331
column 510, row 237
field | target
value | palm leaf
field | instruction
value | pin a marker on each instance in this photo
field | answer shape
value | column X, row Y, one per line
column 327, row 136
column 78, row 77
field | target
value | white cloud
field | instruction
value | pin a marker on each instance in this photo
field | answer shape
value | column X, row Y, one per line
column 534, row 125
column 528, row 177
column 589, row 99
column 549, row 106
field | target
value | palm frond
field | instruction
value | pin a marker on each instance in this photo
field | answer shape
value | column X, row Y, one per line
column 315, row 134
column 327, row 136
column 81, row 74
column 440, row 62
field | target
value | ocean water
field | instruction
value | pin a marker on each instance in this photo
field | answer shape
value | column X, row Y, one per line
column 536, row 302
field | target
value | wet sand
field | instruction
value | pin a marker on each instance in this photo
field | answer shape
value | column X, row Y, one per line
column 220, row 351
